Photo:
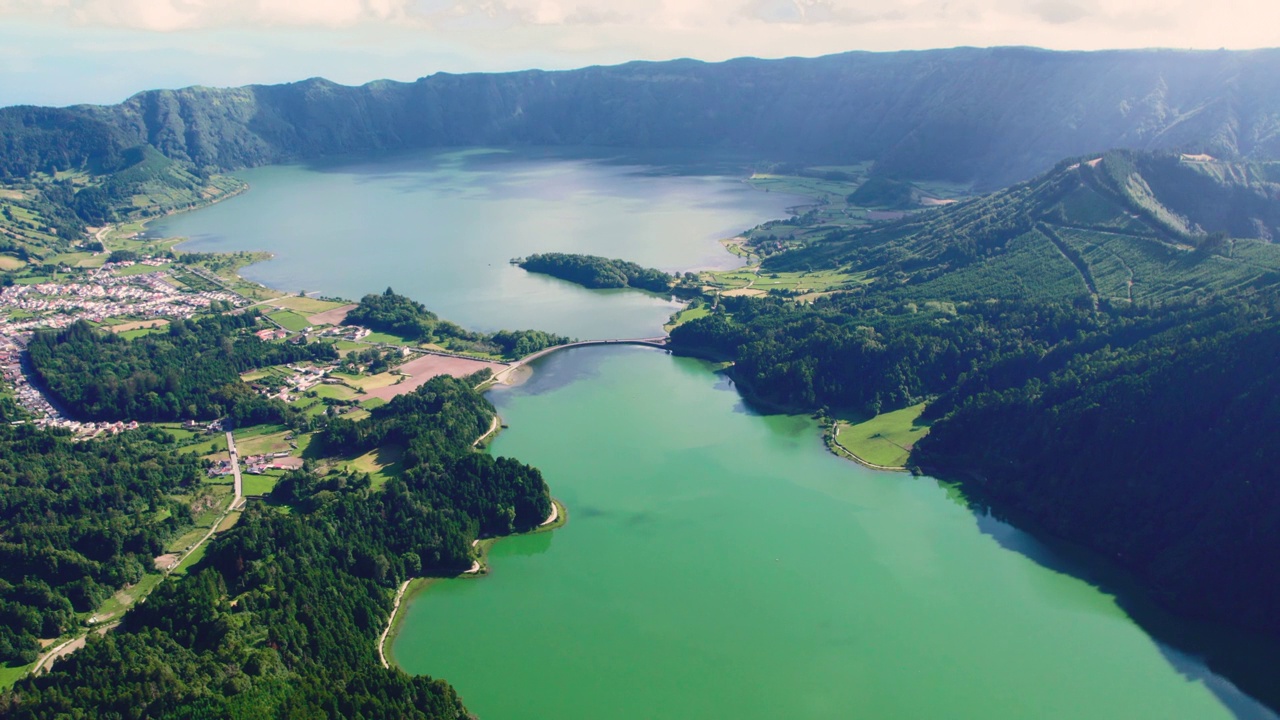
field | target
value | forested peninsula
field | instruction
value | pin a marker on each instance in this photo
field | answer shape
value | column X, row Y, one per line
column 408, row 319
column 592, row 271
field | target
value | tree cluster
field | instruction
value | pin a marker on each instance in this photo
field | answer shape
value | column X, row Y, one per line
column 283, row 616
column 78, row 520
column 598, row 272
column 399, row 315
column 192, row 371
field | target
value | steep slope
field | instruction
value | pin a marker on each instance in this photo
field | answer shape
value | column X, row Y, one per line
column 992, row 116
column 1132, row 227
column 1097, row 347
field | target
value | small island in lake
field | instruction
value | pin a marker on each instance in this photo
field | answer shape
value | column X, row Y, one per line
column 593, row 271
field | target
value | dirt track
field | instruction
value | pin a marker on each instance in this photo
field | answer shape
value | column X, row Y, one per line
column 427, row 367
column 331, row 317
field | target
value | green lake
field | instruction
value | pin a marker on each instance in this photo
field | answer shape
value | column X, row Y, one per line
column 720, row 563
column 717, row 562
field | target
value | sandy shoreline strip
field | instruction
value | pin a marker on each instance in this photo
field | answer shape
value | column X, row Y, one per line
column 382, row 641
column 555, row 513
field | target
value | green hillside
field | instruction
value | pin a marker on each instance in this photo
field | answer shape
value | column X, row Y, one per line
column 1121, row 227
column 47, row 211
column 1096, row 348
column 991, row 116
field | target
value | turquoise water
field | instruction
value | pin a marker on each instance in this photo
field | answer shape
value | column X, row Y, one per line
column 717, row 563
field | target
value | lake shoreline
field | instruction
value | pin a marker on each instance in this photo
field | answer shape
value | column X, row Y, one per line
column 413, row 588
column 417, row 586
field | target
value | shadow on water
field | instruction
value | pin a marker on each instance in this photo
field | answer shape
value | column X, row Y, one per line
column 1238, row 668
column 527, row 545
column 547, row 377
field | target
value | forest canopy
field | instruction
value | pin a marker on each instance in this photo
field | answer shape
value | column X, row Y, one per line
column 192, row 371
column 283, row 616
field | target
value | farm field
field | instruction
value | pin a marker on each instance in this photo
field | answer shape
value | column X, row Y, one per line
column 306, row 305
column 885, row 439
column 290, row 320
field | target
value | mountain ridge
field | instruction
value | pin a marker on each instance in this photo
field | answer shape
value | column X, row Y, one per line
column 988, row 116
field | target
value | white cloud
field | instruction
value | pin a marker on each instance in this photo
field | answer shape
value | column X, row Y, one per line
column 134, row 44
column 173, row 15
column 1234, row 22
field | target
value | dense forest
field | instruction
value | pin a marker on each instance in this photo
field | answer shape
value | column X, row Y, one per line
column 597, row 272
column 283, row 617
column 190, row 372
column 79, row 520
column 1095, row 362
column 407, row 318
column 395, row 314
column 1156, row 449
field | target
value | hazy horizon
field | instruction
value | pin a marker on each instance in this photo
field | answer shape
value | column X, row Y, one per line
column 63, row 52
column 367, row 81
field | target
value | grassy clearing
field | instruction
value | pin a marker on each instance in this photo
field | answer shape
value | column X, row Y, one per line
column 132, row 334
column 191, row 559
column 208, row 445
column 137, row 269
column 373, row 382
column 230, row 520
column 334, row 392
column 386, row 338
column 70, row 259
column 126, row 326
column 312, row 407
column 686, row 315
column 261, row 444
column 885, row 439
column 122, row 600
column 11, row 263
column 278, row 372
column 290, row 320
column 792, row 282
column 186, row 540
column 260, row 484
column 193, row 281
column 12, row 674
column 305, row 305
column 382, row 464
column 831, row 191
column 222, row 494
column 178, row 432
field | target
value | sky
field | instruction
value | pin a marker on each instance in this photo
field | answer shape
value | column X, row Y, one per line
column 62, row 52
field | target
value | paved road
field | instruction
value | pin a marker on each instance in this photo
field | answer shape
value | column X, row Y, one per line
column 657, row 342
column 235, row 469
